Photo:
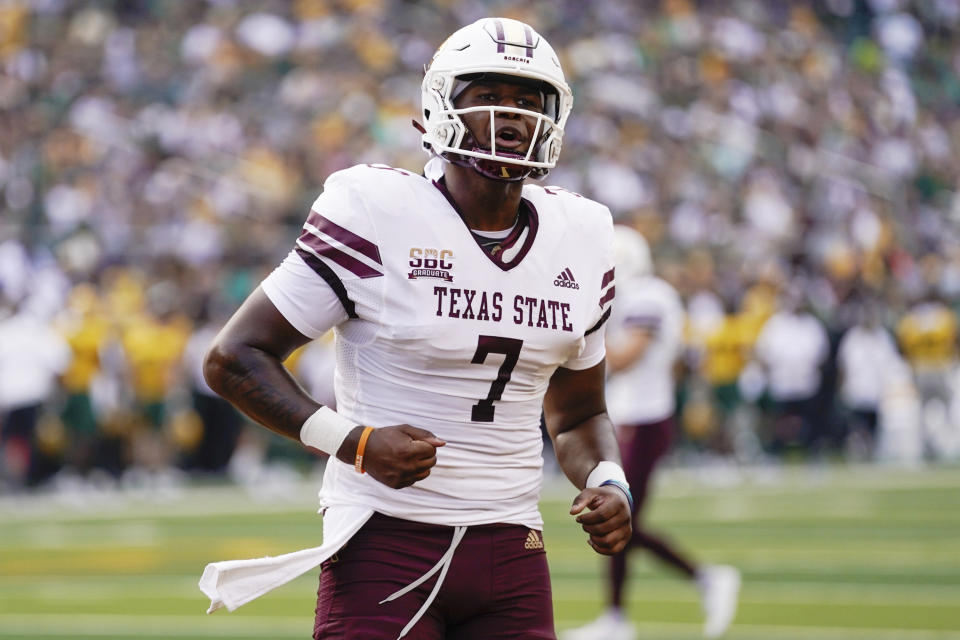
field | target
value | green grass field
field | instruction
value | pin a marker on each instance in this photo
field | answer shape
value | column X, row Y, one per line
column 865, row 553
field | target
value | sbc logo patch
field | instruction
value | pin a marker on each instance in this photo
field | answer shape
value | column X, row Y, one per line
column 430, row 263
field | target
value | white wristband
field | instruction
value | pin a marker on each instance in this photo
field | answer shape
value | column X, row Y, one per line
column 326, row 430
column 604, row 471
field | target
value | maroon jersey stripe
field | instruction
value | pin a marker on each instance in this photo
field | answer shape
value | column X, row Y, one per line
column 331, row 279
column 603, row 318
column 349, row 238
column 607, row 278
column 608, row 296
column 343, row 259
column 529, row 216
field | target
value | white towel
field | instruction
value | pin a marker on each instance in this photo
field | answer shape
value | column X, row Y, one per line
column 234, row 583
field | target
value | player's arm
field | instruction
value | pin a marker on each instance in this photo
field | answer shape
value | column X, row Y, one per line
column 629, row 349
column 245, row 365
column 583, row 437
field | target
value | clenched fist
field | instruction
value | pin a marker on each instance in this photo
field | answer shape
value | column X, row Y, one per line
column 608, row 518
column 397, row 456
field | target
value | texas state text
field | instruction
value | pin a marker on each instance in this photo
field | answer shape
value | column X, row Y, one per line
column 471, row 304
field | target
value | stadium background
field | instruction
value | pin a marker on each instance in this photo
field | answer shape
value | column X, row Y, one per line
column 157, row 158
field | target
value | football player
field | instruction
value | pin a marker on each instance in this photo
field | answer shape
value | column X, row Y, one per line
column 464, row 301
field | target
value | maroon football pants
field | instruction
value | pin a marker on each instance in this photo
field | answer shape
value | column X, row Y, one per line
column 498, row 585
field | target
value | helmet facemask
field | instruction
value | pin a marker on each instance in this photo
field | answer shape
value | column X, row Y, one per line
column 491, row 162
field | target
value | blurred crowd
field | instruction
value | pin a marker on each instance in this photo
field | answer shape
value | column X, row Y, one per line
column 794, row 165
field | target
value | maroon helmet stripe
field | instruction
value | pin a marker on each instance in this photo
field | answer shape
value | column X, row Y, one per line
column 343, row 259
column 529, row 33
column 603, row 318
column 500, row 36
column 344, row 236
column 608, row 296
column 331, row 279
column 607, row 278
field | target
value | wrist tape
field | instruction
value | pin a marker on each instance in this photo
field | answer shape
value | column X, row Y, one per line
column 326, row 430
column 606, row 470
column 610, row 473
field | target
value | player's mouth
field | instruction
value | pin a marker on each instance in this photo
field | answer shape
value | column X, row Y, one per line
column 509, row 139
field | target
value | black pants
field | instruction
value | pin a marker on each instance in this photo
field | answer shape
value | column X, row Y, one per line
column 18, row 440
column 221, row 429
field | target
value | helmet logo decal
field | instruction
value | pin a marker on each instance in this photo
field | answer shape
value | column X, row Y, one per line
column 520, row 36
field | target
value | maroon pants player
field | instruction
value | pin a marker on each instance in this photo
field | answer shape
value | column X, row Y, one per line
column 497, row 586
column 404, row 360
column 642, row 446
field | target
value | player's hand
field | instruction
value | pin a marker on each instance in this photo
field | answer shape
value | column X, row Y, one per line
column 397, row 456
column 607, row 519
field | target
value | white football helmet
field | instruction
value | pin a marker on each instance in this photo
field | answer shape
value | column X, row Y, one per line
column 496, row 46
column 631, row 253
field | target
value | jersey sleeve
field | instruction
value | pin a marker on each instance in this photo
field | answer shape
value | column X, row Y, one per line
column 336, row 258
column 594, row 349
column 306, row 301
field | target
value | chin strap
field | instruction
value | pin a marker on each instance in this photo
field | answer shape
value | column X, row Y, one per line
column 487, row 167
column 498, row 170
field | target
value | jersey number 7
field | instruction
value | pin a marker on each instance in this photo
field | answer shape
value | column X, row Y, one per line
column 510, row 348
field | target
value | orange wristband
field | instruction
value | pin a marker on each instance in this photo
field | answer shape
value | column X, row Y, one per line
column 361, row 447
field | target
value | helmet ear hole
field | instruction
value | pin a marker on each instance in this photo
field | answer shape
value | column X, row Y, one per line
column 447, row 133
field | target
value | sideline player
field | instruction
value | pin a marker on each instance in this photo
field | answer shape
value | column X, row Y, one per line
column 643, row 343
column 463, row 302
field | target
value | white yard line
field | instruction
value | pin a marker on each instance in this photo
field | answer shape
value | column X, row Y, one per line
column 101, row 625
column 815, row 594
column 685, row 630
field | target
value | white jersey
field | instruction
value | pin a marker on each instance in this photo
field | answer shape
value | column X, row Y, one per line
column 437, row 333
column 644, row 392
column 865, row 355
column 792, row 346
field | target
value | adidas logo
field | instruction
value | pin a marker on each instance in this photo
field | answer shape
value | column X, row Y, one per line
column 566, row 280
column 533, row 541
